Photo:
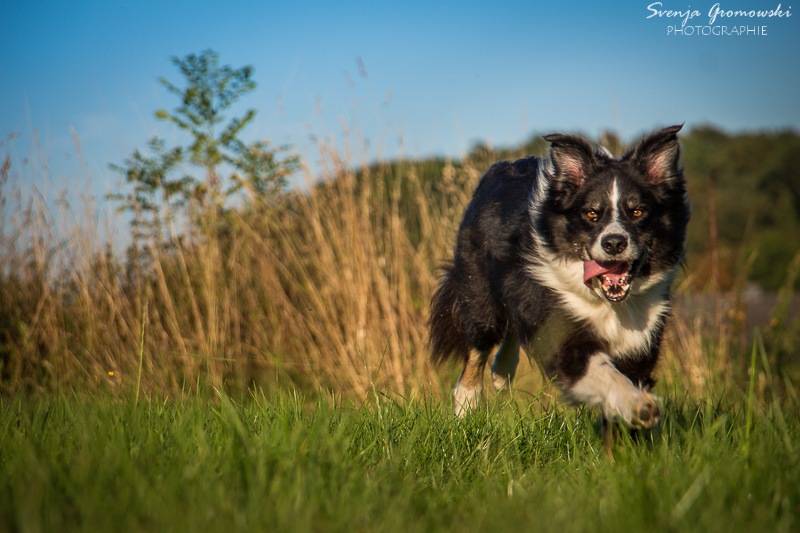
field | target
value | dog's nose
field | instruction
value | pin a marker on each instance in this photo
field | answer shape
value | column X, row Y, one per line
column 614, row 243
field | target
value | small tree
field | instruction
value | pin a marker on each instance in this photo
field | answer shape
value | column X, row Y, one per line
column 258, row 169
column 155, row 198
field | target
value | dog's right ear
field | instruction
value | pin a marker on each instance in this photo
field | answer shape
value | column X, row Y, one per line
column 572, row 157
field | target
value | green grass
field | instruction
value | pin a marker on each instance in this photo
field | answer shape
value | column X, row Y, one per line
column 285, row 463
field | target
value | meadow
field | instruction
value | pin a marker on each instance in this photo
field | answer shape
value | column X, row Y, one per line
column 268, row 369
column 317, row 463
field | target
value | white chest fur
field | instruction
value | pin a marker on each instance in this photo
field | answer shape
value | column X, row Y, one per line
column 626, row 326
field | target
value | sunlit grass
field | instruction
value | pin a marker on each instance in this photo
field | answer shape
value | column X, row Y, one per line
column 292, row 463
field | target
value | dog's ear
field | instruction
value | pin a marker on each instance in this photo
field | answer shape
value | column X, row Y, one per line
column 657, row 155
column 572, row 157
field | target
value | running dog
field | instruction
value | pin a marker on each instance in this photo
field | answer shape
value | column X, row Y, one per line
column 571, row 257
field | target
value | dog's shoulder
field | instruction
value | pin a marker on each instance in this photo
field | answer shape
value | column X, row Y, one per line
column 504, row 191
column 507, row 175
column 496, row 223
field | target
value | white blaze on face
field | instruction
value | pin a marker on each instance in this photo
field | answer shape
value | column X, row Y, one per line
column 613, row 228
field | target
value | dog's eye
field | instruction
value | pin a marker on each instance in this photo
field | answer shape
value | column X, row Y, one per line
column 591, row 214
column 637, row 213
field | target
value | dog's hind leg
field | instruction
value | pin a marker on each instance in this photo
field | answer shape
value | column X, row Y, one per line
column 505, row 362
column 468, row 390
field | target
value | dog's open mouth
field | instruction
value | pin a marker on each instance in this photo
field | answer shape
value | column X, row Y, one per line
column 613, row 277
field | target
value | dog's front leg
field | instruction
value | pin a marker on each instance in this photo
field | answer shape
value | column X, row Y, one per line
column 467, row 393
column 602, row 384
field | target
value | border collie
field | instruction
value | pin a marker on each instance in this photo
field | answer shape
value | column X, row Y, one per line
column 572, row 258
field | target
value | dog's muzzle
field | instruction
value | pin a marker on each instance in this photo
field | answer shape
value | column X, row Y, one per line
column 613, row 278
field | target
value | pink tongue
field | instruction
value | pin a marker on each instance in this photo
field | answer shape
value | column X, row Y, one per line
column 613, row 270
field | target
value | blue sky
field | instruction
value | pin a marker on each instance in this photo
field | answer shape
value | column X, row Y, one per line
column 437, row 77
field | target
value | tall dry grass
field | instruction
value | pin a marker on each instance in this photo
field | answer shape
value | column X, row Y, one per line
column 327, row 288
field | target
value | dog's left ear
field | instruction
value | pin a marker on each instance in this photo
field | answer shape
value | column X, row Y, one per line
column 657, row 155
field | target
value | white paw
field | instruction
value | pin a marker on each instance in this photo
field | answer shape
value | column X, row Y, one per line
column 501, row 380
column 637, row 408
column 466, row 399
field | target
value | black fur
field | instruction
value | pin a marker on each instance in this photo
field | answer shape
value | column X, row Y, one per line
column 470, row 308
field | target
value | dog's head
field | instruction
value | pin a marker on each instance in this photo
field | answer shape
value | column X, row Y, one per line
column 625, row 219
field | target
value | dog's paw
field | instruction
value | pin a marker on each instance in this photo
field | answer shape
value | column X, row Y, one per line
column 638, row 409
column 466, row 399
column 645, row 413
column 501, row 381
